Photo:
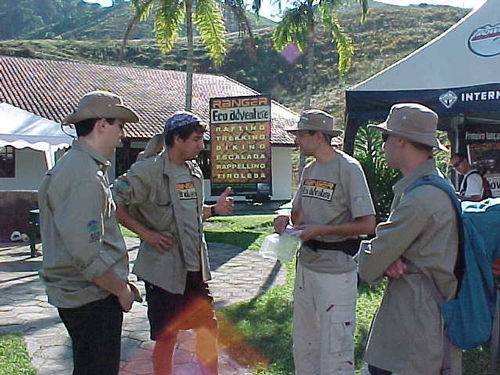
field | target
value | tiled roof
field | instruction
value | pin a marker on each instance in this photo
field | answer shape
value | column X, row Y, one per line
column 51, row 89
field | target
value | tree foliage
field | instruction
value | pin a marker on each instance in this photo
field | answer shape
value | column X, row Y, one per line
column 170, row 16
column 299, row 25
column 369, row 152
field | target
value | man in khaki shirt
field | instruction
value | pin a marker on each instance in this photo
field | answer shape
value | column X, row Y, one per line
column 161, row 199
column 419, row 238
column 332, row 207
column 85, row 262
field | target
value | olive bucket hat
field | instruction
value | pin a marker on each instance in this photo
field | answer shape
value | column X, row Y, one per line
column 414, row 122
column 101, row 104
column 315, row 119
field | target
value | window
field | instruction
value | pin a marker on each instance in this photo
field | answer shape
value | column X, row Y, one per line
column 7, row 161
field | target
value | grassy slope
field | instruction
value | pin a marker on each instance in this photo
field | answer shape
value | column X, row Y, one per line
column 389, row 34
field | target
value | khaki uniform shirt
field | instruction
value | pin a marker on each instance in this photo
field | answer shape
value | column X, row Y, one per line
column 150, row 194
column 407, row 333
column 81, row 238
column 332, row 192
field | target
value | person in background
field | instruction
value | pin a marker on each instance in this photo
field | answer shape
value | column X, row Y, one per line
column 332, row 207
column 85, row 261
column 161, row 199
column 471, row 188
column 418, row 242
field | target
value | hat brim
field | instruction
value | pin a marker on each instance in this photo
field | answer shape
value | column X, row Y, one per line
column 334, row 133
column 434, row 142
column 118, row 111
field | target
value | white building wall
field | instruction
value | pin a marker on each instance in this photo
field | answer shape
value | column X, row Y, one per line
column 282, row 173
column 30, row 168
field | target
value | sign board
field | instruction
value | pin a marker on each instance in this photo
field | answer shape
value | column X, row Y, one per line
column 240, row 145
column 483, row 147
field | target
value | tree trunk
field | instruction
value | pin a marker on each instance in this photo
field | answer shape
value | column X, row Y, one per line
column 310, row 74
column 309, row 60
column 189, row 55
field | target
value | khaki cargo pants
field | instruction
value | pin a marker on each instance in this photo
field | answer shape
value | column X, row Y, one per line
column 324, row 319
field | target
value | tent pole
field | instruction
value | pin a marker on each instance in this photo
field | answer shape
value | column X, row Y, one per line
column 351, row 128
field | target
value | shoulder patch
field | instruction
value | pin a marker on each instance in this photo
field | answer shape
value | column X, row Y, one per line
column 94, row 231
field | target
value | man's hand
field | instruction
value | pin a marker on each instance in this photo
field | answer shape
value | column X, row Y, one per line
column 159, row 241
column 224, row 204
column 126, row 298
column 396, row 269
column 280, row 223
column 309, row 232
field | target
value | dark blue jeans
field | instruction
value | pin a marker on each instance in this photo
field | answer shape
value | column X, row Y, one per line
column 95, row 331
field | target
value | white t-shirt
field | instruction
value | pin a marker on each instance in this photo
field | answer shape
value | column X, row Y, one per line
column 472, row 184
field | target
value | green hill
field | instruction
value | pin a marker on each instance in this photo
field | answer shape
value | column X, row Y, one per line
column 74, row 19
column 389, row 34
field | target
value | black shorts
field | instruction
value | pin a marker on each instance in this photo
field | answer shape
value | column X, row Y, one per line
column 168, row 312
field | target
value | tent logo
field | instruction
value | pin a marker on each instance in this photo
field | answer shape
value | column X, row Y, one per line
column 448, row 99
column 485, row 40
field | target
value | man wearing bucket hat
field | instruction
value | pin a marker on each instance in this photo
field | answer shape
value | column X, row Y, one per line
column 420, row 237
column 161, row 199
column 85, row 262
column 332, row 207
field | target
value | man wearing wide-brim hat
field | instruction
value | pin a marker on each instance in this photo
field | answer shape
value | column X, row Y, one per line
column 332, row 207
column 420, row 237
column 85, row 262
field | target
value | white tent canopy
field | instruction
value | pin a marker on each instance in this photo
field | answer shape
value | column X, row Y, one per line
column 456, row 73
column 467, row 54
column 20, row 129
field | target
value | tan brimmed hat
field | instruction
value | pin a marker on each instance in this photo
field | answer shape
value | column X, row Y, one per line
column 314, row 119
column 414, row 122
column 101, row 104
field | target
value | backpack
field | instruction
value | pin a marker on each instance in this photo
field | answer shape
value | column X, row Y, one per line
column 486, row 185
column 469, row 316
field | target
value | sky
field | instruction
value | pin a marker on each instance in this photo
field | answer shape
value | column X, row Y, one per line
column 266, row 12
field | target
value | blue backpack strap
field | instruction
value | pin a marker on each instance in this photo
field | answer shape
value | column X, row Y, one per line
column 441, row 183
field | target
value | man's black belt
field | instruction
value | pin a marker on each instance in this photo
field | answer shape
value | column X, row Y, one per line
column 350, row 246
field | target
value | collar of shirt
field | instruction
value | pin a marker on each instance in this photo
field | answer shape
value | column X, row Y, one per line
column 191, row 166
column 83, row 147
column 427, row 167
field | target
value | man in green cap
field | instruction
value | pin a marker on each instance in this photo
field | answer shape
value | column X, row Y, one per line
column 161, row 199
column 85, row 262
column 332, row 207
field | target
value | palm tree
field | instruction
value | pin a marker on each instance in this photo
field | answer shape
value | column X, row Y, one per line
column 170, row 15
column 299, row 25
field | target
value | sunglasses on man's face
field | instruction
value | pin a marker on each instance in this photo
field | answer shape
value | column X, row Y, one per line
column 385, row 137
column 120, row 123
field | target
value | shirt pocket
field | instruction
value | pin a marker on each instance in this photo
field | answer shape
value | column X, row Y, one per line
column 161, row 213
